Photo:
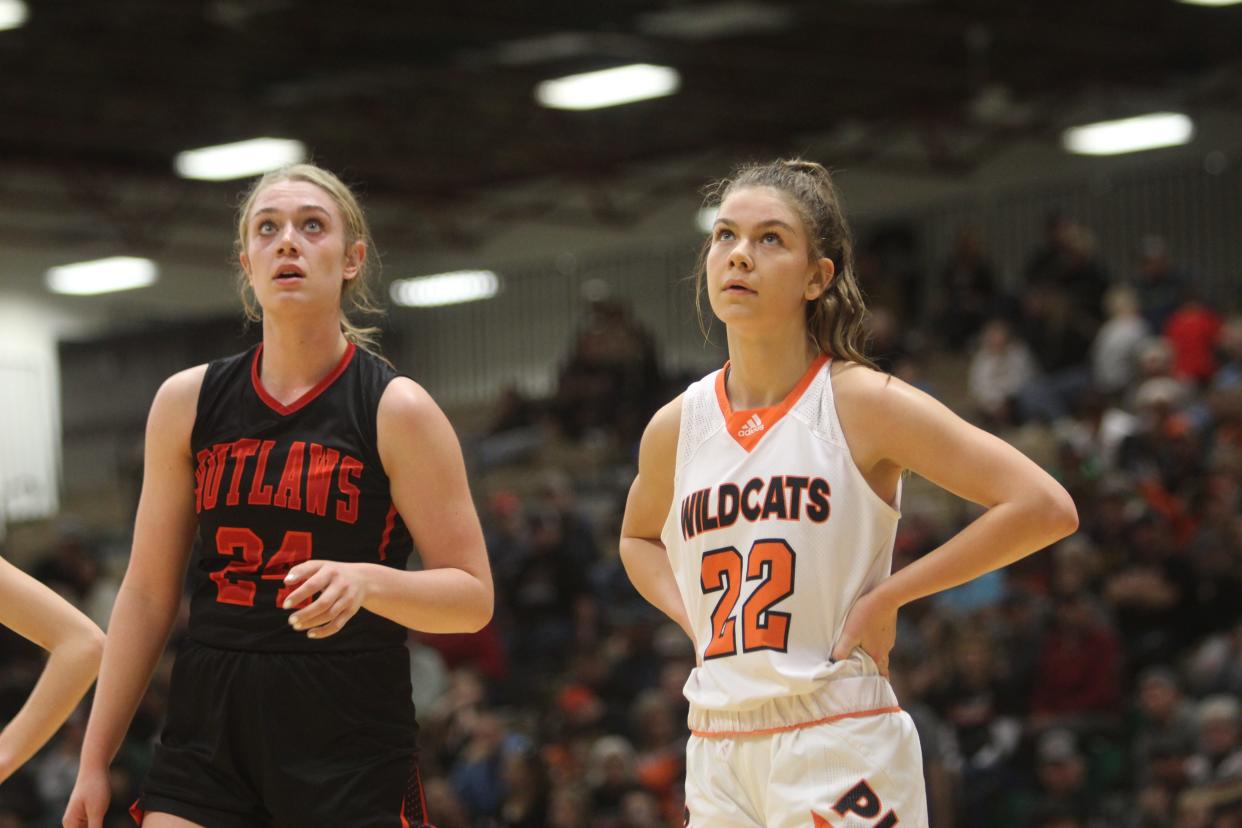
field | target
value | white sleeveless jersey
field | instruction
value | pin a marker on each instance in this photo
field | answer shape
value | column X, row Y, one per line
column 773, row 535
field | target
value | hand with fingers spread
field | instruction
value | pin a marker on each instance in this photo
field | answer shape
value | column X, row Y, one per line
column 872, row 625
column 337, row 590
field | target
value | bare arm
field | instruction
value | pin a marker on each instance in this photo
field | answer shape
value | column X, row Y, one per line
column 892, row 425
column 150, row 594
column 453, row 592
column 74, row 643
column 646, row 509
column 1026, row 509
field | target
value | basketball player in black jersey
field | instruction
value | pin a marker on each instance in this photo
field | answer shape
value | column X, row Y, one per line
column 306, row 469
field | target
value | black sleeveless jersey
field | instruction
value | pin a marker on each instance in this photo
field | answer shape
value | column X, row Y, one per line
column 275, row 485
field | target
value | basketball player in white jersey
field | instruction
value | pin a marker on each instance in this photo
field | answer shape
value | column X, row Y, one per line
column 763, row 516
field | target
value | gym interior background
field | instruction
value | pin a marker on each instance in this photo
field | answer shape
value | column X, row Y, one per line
column 1084, row 306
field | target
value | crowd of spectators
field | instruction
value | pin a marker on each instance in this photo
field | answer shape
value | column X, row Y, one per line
column 1095, row 684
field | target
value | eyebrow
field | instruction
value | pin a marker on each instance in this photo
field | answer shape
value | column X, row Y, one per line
column 305, row 208
column 767, row 223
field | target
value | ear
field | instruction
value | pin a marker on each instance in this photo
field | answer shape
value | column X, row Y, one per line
column 245, row 265
column 355, row 255
column 820, row 278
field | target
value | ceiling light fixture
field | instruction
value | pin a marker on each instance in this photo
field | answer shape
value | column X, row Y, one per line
column 609, row 87
column 1143, row 132
column 444, row 288
column 13, row 14
column 101, row 276
column 224, row 162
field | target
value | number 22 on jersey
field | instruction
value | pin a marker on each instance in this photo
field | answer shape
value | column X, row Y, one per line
column 771, row 562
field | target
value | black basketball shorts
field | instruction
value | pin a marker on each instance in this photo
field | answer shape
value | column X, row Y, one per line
column 288, row 740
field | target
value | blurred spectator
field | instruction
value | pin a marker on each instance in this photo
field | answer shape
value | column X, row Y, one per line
column 965, row 294
column 525, row 803
column 72, row 566
column 1148, row 591
column 1220, row 740
column 1160, row 286
column 1058, row 332
column 1230, row 346
column 1065, row 793
column 1114, row 353
column 548, row 595
column 1215, row 666
column 1077, row 678
column 999, row 369
column 1068, row 265
column 611, row 775
column 660, row 762
column 1165, row 721
column 442, row 802
column 567, row 809
column 1193, row 329
column 885, row 339
column 979, row 707
column 1046, row 258
column 512, row 411
column 612, row 378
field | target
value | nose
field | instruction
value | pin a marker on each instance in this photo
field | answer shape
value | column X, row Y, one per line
column 739, row 257
column 286, row 244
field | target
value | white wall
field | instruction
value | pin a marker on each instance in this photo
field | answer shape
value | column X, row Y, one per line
column 30, row 405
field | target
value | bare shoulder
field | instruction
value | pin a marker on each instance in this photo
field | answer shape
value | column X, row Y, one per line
column 404, row 400
column 872, row 405
column 660, row 436
column 176, row 404
column 652, row 493
column 410, row 425
column 182, row 387
column 861, row 393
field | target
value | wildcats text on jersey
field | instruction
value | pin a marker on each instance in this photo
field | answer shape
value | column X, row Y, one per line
column 328, row 473
column 780, row 497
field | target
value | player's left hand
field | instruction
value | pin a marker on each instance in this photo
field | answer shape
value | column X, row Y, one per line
column 871, row 625
column 340, row 588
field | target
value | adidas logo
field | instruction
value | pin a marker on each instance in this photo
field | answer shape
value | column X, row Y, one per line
column 753, row 426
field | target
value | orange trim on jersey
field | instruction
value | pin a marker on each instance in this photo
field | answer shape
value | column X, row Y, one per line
column 301, row 402
column 389, row 522
column 732, row 734
column 136, row 813
column 748, row 427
